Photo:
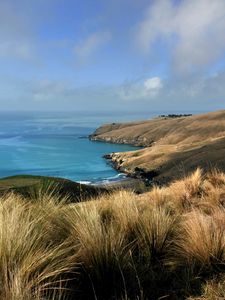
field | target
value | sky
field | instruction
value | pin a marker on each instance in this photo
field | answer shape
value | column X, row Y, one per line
column 114, row 55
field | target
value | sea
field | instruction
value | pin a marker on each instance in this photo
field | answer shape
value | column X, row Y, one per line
column 56, row 144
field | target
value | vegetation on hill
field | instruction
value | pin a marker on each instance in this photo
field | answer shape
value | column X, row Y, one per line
column 30, row 186
column 165, row 244
column 173, row 146
column 175, row 115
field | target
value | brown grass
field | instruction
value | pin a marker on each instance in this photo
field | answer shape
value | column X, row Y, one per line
column 173, row 146
column 165, row 244
column 31, row 263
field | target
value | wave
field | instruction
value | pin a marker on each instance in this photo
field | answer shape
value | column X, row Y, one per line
column 117, row 177
column 84, row 182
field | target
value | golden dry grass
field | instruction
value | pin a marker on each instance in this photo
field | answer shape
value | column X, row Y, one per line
column 172, row 145
column 165, row 244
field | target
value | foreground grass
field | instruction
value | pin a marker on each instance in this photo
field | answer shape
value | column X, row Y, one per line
column 165, row 244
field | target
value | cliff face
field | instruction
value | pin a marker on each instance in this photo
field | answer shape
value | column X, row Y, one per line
column 173, row 147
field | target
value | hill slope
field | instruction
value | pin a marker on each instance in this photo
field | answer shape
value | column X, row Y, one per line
column 173, row 146
column 33, row 186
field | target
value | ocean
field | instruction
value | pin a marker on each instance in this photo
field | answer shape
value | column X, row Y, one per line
column 56, row 144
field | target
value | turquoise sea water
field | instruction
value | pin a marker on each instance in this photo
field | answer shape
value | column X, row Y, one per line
column 54, row 144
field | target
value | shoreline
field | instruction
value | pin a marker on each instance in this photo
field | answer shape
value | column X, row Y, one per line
column 171, row 146
column 138, row 174
column 139, row 177
column 168, row 149
column 136, row 185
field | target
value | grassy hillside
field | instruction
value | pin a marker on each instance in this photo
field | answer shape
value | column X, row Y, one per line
column 32, row 186
column 166, row 244
column 173, row 146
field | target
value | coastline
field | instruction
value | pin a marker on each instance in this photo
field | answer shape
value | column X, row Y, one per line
column 172, row 147
column 114, row 158
column 138, row 174
column 136, row 185
column 169, row 149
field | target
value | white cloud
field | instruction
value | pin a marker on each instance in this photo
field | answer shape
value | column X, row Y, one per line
column 153, row 84
column 148, row 89
column 91, row 44
column 193, row 29
column 192, row 93
column 196, row 93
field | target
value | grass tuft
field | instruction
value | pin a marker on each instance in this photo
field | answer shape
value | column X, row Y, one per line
column 165, row 244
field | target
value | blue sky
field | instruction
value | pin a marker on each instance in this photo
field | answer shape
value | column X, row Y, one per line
column 112, row 55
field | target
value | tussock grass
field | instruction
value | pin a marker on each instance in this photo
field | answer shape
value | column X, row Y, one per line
column 213, row 289
column 201, row 241
column 165, row 244
column 31, row 264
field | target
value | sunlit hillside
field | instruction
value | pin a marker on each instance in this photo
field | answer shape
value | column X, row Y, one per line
column 172, row 145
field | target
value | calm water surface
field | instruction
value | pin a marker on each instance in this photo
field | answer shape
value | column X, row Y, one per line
column 53, row 144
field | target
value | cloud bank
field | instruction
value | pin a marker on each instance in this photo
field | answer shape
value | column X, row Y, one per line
column 193, row 30
column 55, row 58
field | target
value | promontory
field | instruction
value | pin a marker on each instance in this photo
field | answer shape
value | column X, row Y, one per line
column 172, row 145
